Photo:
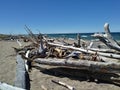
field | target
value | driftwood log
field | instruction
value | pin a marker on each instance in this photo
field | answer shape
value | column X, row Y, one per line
column 108, row 39
column 20, row 80
column 82, row 64
column 111, row 55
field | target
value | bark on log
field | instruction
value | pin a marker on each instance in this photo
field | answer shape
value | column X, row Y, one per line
column 83, row 64
column 20, row 80
column 111, row 55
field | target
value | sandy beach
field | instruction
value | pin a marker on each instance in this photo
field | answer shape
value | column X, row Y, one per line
column 41, row 77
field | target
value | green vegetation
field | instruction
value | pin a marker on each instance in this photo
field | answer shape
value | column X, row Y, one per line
column 3, row 36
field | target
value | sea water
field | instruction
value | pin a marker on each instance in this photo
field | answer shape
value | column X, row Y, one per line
column 85, row 36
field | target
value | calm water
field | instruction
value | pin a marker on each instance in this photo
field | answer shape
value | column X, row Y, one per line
column 85, row 36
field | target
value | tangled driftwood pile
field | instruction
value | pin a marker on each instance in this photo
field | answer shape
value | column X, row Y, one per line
column 79, row 55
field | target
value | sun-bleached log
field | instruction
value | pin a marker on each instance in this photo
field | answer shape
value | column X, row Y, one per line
column 108, row 39
column 20, row 79
column 82, row 64
column 111, row 55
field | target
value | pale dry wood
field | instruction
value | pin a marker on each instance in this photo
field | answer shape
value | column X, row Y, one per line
column 43, row 87
column 20, row 79
column 108, row 39
column 111, row 55
column 19, row 43
column 63, row 84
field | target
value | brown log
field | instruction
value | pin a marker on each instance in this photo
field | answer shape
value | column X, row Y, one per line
column 82, row 64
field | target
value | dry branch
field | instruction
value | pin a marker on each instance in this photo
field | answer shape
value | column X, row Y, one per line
column 108, row 39
column 64, row 84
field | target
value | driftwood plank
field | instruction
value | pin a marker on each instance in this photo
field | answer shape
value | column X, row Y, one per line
column 20, row 80
column 109, row 67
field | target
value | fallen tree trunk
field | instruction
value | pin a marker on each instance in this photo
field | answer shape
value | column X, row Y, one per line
column 111, row 55
column 20, row 80
column 83, row 64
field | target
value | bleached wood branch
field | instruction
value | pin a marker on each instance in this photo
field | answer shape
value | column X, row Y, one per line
column 103, row 50
column 43, row 87
column 41, row 48
column 26, row 61
column 63, row 84
column 19, row 43
column 111, row 55
column 108, row 39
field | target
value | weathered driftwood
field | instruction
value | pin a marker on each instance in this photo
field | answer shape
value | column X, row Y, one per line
column 104, row 50
column 26, row 61
column 63, row 84
column 43, row 87
column 19, row 43
column 20, row 80
column 108, row 39
column 82, row 64
column 111, row 55
column 90, row 45
column 4, row 86
column 32, row 37
column 78, row 39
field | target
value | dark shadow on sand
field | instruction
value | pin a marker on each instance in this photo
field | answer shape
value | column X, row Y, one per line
column 81, row 75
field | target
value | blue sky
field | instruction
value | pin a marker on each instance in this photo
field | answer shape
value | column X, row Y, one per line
column 58, row 16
